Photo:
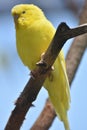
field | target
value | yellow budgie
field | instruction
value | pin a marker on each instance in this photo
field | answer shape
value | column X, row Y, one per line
column 33, row 35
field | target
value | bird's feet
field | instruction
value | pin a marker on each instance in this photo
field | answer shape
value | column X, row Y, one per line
column 41, row 62
column 43, row 65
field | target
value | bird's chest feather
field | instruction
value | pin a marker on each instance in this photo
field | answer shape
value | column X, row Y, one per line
column 30, row 45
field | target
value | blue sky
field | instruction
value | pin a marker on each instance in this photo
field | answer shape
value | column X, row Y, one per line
column 14, row 75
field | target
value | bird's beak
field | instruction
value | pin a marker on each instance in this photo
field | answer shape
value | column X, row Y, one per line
column 16, row 16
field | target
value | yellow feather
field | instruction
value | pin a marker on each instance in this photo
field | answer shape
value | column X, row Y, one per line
column 33, row 35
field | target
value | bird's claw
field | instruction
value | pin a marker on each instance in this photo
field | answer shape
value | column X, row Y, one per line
column 41, row 62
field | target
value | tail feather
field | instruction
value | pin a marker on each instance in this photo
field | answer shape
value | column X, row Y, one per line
column 66, row 124
column 62, row 114
column 61, row 111
column 63, row 117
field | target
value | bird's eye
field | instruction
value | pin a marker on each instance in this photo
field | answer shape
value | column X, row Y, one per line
column 23, row 12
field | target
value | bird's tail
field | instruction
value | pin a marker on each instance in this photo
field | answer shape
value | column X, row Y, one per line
column 66, row 123
column 63, row 117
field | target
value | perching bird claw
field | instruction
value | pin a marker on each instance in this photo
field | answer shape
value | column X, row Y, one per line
column 41, row 62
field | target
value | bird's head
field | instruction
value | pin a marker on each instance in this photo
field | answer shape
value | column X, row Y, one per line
column 26, row 14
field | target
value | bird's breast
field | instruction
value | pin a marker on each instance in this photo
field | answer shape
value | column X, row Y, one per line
column 30, row 46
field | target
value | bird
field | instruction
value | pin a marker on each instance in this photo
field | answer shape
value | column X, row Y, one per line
column 34, row 33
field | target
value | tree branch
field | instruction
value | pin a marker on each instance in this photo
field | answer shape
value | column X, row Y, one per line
column 32, row 88
column 73, row 59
